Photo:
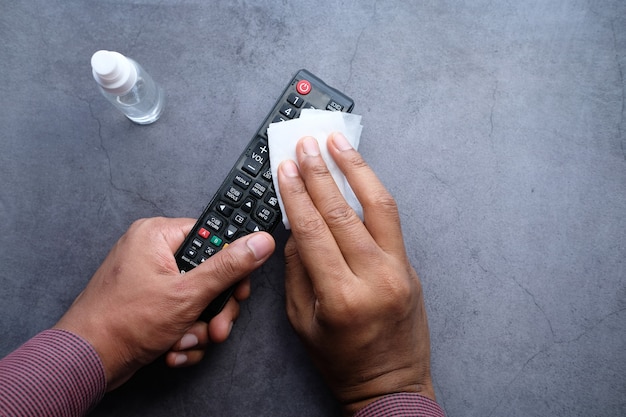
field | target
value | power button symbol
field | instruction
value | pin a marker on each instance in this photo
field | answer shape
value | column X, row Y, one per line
column 303, row 87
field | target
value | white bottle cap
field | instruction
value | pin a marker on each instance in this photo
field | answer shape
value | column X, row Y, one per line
column 114, row 72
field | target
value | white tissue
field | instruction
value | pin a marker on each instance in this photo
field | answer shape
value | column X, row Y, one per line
column 283, row 137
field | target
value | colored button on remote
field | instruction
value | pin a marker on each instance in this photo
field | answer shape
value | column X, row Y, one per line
column 303, row 87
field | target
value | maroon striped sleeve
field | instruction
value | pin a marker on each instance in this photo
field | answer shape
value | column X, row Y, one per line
column 404, row 404
column 56, row 373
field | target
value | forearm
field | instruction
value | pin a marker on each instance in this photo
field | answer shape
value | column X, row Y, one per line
column 402, row 405
column 56, row 373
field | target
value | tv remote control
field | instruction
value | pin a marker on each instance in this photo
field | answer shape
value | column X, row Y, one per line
column 246, row 201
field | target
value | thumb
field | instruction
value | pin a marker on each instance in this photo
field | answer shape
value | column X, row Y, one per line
column 229, row 265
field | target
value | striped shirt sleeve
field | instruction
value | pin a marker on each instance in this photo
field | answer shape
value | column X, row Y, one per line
column 405, row 404
column 56, row 373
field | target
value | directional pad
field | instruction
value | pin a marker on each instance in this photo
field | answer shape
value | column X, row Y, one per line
column 230, row 232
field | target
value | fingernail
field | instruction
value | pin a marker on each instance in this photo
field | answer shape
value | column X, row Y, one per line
column 188, row 341
column 290, row 169
column 180, row 359
column 260, row 245
column 341, row 143
column 310, row 146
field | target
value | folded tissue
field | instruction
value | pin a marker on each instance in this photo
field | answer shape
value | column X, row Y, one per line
column 283, row 137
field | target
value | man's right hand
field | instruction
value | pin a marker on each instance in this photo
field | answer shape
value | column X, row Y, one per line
column 352, row 295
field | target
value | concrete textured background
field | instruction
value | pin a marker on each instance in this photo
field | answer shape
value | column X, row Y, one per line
column 498, row 126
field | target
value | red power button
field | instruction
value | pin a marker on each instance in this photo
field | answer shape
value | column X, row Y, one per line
column 303, row 87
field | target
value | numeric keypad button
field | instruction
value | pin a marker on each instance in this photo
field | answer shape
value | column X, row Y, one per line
column 279, row 119
column 288, row 111
column 295, row 99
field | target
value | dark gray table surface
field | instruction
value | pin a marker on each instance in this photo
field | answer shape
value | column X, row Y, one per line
column 498, row 126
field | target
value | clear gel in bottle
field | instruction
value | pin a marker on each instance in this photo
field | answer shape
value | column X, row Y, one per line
column 128, row 87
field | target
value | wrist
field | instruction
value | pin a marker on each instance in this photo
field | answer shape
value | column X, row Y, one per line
column 375, row 390
column 116, row 368
column 402, row 404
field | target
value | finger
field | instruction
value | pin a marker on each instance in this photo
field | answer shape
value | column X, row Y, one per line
column 380, row 211
column 349, row 232
column 242, row 290
column 300, row 298
column 183, row 359
column 221, row 325
column 196, row 337
column 318, row 249
column 205, row 282
column 189, row 349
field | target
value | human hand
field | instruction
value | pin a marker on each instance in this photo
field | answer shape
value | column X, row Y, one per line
column 137, row 306
column 352, row 295
column 189, row 349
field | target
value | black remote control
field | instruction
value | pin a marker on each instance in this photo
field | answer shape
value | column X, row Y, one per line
column 246, row 201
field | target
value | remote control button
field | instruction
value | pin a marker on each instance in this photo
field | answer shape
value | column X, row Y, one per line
column 303, row 87
column 248, row 205
column 288, row 111
column 264, row 214
column 334, row 106
column 214, row 223
column 234, row 194
column 262, row 151
column 197, row 243
column 242, row 181
column 279, row 119
column 216, row 241
column 258, row 190
column 239, row 219
column 191, row 253
column 203, row 233
column 253, row 227
column 272, row 201
column 295, row 99
column 230, row 232
column 268, row 174
column 210, row 251
column 256, row 159
column 225, row 209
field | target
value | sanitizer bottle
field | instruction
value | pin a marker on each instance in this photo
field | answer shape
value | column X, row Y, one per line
column 125, row 84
